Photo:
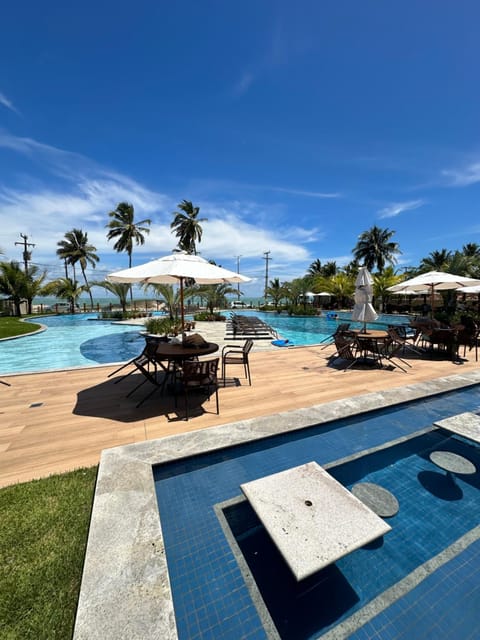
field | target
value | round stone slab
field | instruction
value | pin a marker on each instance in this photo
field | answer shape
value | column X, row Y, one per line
column 452, row 462
column 376, row 498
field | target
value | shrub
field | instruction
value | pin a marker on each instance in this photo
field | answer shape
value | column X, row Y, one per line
column 163, row 326
column 206, row 316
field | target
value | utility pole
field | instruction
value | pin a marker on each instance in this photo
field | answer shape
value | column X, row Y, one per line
column 238, row 271
column 27, row 255
column 266, row 257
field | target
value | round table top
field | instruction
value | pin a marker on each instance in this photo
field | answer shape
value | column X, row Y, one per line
column 379, row 500
column 452, row 462
column 371, row 333
column 171, row 350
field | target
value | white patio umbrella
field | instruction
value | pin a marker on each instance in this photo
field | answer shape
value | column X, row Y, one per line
column 469, row 289
column 175, row 269
column 434, row 281
column 363, row 310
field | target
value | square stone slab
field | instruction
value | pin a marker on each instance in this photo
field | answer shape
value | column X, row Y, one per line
column 312, row 518
column 463, row 424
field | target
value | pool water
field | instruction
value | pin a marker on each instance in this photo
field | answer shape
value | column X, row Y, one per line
column 211, row 592
column 80, row 340
column 70, row 341
column 303, row 330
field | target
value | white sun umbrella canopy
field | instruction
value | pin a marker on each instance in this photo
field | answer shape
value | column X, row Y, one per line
column 174, row 269
column 469, row 289
column 434, row 281
column 363, row 310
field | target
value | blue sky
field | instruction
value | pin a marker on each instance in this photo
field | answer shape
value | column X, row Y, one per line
column 294, row 127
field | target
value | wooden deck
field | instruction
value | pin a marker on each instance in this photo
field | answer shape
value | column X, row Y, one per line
column 54, row 422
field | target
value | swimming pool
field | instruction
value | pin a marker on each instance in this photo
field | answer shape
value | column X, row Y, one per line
column 70, row 341
column 303, row 330
column 80, row 340
column 237, row 585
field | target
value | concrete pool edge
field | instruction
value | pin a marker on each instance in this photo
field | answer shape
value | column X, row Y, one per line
column 125, row 589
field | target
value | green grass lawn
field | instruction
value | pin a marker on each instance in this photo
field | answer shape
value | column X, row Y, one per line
column 43, row 535
column 10, row 327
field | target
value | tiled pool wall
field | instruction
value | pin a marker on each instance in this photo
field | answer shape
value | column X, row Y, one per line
column 126, row 590
column 209, row 592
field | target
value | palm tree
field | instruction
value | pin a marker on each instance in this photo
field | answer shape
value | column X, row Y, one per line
column 186, row 225
column 471, row 250
column 342, row 286
column 123, row 227
column 315, row 268
column 215, row 295
column 381, row 283
column 75, row 248
column 119, row 289
column 374, row 247
column 276, row 291
column 168, row 295
column 436, row 261
column 66, row 289
column 329, row 269
column 14, row 284
column 34, row 285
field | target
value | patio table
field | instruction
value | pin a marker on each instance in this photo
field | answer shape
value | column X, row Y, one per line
column 312, row 519
column 176, row 354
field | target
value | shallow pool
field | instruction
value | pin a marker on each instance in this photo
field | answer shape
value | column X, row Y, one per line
column 216, row 596
column 70, row 341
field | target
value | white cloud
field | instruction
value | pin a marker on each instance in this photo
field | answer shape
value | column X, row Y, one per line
column 396, row 208
column 463, row 177
column 83, row 192
column 243, row 84
column 310, row 194
column 7, row 103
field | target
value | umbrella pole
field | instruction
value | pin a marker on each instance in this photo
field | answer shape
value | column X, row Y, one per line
column 182, row 313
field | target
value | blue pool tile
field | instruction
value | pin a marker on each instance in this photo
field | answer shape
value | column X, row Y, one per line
column 210, row 595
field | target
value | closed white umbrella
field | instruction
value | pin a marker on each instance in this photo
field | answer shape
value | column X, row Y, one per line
column 174, row 269
column 363, row 310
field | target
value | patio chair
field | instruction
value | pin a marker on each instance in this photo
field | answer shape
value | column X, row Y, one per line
column 7, row 384
column 399, row 335
column 199, row 374
column 392, row 347
column 236, row 354
column 343, row 326
column 468, row 337
column 148, row 365
column 145, row 359
column 347, row 347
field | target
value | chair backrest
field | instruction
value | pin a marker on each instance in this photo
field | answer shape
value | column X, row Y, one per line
column 343, row 326
column 395, row 335
column 344, row 342
column 200, row 372
column 247, row 347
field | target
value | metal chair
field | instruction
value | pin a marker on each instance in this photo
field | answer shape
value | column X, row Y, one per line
column 236, row 354
column 199, row 374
